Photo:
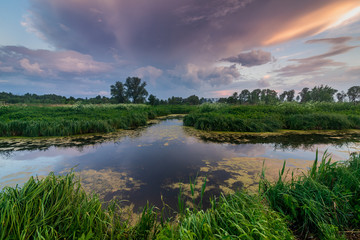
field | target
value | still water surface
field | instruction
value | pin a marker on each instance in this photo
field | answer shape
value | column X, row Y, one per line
column 148, row 163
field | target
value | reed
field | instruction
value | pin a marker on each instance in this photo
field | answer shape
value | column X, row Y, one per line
column 269, row 118
column 322, row 201
column 37, row 121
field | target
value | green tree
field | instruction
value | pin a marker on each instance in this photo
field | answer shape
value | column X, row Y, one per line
column 118, row 92
column 283, row 96
column 135, row 89
column 255, row 96
column 322, row 94
column 175, row 100
column 290, row 95
column 244, row 96
column 341, row 96
column 305, row 95
column 193, row 100
column 354, row 94
column 153, row 100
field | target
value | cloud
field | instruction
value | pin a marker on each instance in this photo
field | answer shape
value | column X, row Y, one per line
column 194, row 76
column 263, row 83
column 316, row 64
column 338, row 40
column 250, row 59
column 31, row 68
column 149, row 73
column 164, row 33
column 49, row 63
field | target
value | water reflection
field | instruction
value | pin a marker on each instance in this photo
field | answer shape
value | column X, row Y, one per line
column 143, row 164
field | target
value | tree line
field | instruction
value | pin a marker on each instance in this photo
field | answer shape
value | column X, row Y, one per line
column 317, row 94
column 134, row 91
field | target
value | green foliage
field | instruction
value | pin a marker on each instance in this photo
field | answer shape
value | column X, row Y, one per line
column 236, row 216
column 354, row 94
column 322, row 201
column 54, row 208
column 34, row 121
column 286, row 115
column 135, row 89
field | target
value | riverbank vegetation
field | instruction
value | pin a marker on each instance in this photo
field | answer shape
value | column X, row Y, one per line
column 269, row 118
column 37, row 121
column 322, row 203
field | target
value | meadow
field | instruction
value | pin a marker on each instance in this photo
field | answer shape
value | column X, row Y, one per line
column 38, row 121
column 270, row 118
column 322, row 203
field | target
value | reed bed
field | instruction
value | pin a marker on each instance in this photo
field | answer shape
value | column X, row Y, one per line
column 270, row 118
column 37, row 121
column 321, row 202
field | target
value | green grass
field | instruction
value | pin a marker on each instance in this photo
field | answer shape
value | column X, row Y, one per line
column 322, row 201
column 270, row 118
column 37, row 121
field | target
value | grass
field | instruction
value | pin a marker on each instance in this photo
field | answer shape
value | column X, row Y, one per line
column 270, row 118
column 321, row 203
column 37, row 121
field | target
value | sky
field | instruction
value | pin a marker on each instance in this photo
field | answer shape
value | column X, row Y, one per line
column 210, row 48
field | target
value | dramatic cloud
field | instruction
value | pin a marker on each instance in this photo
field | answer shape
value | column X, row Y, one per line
column 49, row 63
column 167, row 33
column 194, row 76
column 250, row 59
column 318, row 63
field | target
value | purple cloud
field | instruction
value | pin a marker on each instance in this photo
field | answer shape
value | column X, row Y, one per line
column 316, row 64
column 250, row 59
column 164, row 33
column 194, row 76
column 49, row 63
column 338, row 40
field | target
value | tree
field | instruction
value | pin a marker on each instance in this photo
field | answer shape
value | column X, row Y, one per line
column 290, row 95
column 118, row 92
column 341, row 96
column 135, row 89
column 322, row 93
column 269, row 96
column 244, row 96
column 193, row 100
column 153, row 100
column 354, row 94
column 305, row 95
column 255, row 96
column 282, row 96
column 175, row 100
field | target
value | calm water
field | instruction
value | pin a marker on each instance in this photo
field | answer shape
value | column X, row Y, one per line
column 152, row 161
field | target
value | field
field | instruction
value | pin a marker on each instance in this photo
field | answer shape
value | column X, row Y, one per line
column 323, row 203
column 37, row 121
column 270, row 118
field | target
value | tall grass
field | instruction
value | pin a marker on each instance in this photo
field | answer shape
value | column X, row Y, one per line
column 269, row 118
column 237, row 216
column 322, row 201
column 34, row 121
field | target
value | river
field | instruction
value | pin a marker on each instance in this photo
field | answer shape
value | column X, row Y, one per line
column 144, row 164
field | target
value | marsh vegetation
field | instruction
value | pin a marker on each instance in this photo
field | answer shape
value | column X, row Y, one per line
column 270, row 118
